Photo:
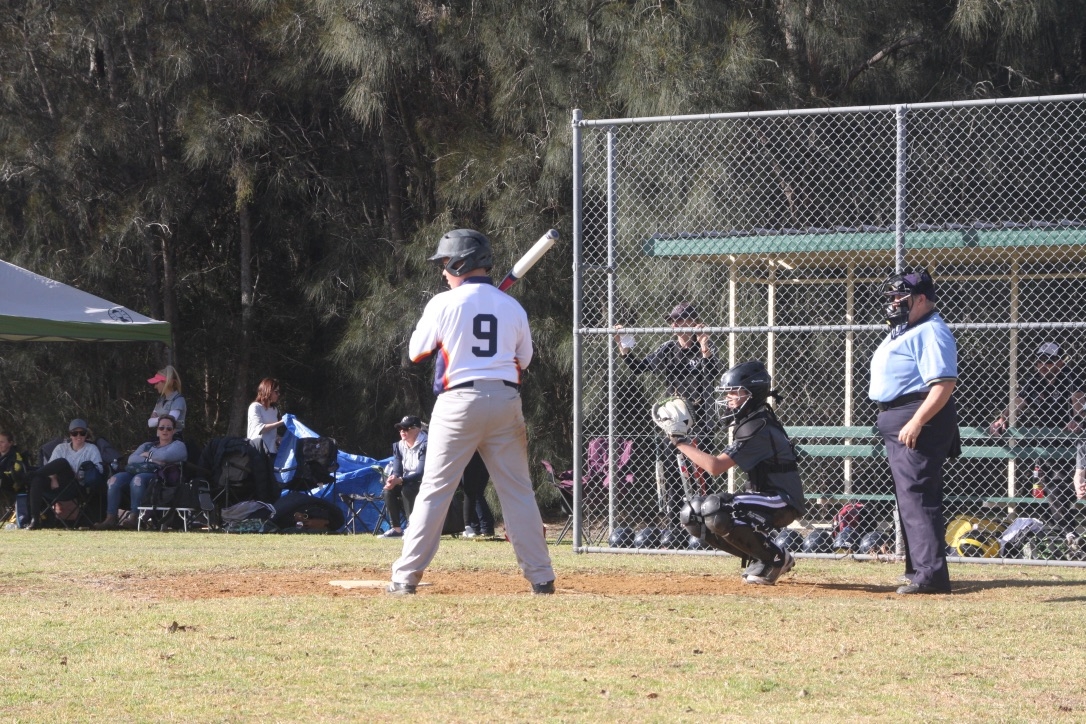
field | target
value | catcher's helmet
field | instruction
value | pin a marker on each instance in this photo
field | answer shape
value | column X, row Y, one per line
column 621, row 538
column 818, row 541
column 898, row 290
column 872, row 543
column 465, row 250
column 647, row 538
column 751, row 377
column 789, row 539
column 672, row 538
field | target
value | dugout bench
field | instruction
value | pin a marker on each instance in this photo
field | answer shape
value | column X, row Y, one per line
column 1017, row 446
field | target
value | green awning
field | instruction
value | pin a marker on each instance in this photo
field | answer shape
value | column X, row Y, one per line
column 703, row 244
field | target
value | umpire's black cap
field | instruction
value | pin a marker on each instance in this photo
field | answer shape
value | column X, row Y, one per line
column 408, row 422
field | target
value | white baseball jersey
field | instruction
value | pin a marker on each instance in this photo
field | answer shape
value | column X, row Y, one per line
column 479, row 333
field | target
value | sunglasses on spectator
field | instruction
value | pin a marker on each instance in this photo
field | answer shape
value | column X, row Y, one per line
column 78, row 433
column 160, row 427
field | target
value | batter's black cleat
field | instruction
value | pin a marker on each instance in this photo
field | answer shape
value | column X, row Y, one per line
column 401, row 589
column 543, row 589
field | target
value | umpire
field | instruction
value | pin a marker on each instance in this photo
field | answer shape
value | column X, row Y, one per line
column 913, row 373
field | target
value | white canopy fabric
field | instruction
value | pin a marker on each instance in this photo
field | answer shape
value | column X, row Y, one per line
column 34, row 308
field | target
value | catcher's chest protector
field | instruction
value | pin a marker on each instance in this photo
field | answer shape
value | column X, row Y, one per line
column 764, row 422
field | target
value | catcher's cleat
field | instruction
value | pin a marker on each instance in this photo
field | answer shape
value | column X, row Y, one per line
column 775, row 571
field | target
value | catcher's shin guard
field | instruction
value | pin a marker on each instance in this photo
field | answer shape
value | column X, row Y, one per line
column 690, row 517
column 717, row 514
column 754, row 544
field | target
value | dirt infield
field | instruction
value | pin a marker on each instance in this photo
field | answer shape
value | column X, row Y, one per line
column 235, row 585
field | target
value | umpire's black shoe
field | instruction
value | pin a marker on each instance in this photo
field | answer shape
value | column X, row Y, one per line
column 400, row 589
column 920, row 588
column 543, row 589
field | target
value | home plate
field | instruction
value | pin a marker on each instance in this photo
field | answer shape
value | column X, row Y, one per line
column 364, row 584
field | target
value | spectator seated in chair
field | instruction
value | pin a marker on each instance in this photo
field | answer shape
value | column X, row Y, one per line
column 56, row 481
column 402, row 485
column 13, row 473
column 144, row 465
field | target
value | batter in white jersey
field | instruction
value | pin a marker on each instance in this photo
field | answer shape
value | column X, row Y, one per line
column 482, row 342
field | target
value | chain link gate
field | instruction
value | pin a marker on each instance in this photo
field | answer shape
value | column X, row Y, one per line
column 779, row 228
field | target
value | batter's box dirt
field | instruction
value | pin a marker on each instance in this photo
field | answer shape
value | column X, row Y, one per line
column 476, row 583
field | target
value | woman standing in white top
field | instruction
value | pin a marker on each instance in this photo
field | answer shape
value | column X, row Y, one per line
column 264, row 416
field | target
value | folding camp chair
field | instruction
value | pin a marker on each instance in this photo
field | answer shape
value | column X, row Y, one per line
column 563, row 483
column 357, row 504
column 596, row 482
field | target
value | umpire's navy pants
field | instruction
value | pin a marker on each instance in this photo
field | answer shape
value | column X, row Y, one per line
column 918, row 487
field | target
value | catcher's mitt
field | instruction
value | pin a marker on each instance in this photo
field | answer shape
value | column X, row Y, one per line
column 674, row 418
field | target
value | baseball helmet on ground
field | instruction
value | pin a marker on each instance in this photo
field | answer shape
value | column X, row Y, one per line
column 465, row 250
column 621, row 538
column 647, row 538
column 845, row 540
column 789, row 539
column 672, row 538
column 751, row 377
column 818, row 541
column 873, row 542
column 696, row 544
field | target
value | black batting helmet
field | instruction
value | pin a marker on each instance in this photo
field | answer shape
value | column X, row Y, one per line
column 621, row 538
column 465, row 250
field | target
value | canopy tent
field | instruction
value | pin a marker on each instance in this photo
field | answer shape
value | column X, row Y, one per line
column 34, row 308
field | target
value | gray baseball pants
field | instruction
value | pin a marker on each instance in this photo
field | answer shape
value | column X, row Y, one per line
column 486, row 417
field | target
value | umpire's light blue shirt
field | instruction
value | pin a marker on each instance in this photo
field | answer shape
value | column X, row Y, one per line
column 912, row 362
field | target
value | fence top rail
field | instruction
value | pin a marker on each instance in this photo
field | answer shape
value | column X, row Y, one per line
column 585, row 123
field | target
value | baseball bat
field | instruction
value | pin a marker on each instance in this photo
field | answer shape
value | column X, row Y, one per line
column 685, row 475
column 529, row 259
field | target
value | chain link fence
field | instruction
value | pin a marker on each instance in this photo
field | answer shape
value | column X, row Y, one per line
column 774, row 232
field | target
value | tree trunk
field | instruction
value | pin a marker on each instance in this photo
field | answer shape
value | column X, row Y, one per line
column 239, row 405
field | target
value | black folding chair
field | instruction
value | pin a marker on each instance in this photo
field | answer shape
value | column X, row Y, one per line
column 357, row 504
column 563, row 483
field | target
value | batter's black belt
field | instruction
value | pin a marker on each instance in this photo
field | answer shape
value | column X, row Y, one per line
column 903, row 400
column 471, row 383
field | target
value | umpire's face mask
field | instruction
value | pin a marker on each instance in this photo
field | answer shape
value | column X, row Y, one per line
column 897, row 308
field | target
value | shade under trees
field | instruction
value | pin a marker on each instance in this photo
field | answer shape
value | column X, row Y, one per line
column 268, row 176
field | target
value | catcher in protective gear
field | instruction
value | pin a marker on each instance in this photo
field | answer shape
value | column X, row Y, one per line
column 741, row 523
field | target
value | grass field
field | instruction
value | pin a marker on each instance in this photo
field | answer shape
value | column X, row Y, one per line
column 209, row 627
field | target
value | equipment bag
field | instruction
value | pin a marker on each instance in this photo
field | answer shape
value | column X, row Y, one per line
column 301, row 513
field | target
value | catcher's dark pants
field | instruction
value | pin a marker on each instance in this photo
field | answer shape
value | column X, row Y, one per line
column 918, row 487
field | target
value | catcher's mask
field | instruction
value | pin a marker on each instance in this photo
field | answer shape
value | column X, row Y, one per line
column 898, row 291
column 463, row 250
column 743, row 389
